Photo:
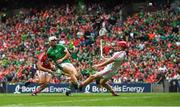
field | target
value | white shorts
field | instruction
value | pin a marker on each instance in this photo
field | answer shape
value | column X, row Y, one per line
column 43, row 76
column 70, row 67
column 66, row 64
column 107, row 72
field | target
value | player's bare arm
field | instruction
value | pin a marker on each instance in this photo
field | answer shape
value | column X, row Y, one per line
column 108, row 61
column 40, row 67
column 52, row 66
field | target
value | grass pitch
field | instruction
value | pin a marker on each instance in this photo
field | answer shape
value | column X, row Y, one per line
column 96, row 99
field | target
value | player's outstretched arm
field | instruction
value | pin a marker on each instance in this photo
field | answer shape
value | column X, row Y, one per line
column 106, row 62
column 104, row 58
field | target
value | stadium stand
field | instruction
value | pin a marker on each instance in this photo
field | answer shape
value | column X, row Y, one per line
column 153, row 38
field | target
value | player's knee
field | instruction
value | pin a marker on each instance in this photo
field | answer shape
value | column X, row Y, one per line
column 75, row 74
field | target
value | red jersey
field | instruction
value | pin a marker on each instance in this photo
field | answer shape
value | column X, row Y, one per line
column 45, row 61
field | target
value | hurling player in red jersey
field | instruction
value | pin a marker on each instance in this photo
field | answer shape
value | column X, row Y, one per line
column 43, row 74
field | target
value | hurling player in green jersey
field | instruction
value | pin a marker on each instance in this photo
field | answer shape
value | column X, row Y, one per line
column 60, row 56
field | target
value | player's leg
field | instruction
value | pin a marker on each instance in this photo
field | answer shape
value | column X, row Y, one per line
column 71, row 71
column 79, row 76
column 39, row 89
column 31, row 80
column 48, row 78
column 88, row 80
column 107, row 77
column 104, row 83
column 36, row 78
column 96, row 75
column 44, row 79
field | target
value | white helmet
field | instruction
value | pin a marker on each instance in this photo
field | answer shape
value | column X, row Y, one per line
column 52, row 38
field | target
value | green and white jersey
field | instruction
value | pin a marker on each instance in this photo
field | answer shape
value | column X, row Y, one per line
column 57, row 52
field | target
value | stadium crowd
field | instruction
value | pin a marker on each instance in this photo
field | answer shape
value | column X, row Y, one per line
column 153, row 39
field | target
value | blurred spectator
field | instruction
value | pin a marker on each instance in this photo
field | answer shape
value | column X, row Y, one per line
column 153, row 38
